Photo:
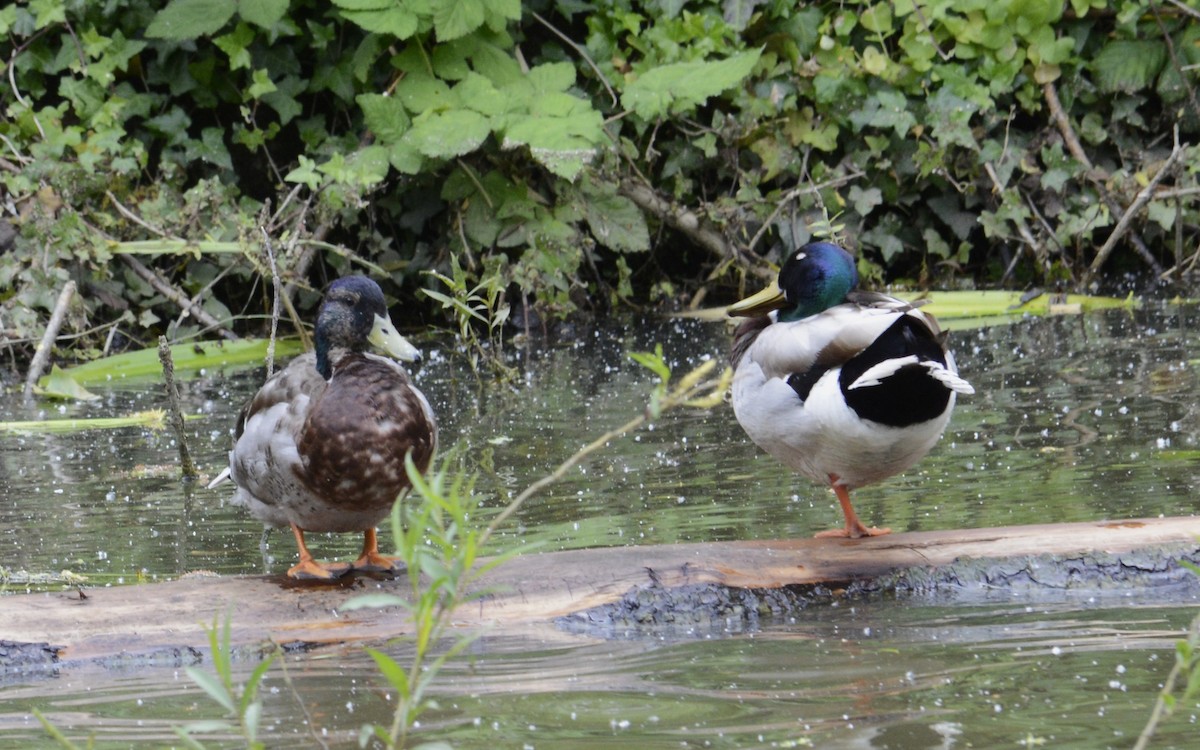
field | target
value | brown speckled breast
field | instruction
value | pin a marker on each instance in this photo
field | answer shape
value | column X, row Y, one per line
column 358, row 432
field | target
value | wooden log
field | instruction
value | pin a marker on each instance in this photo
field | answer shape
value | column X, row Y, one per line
column 529, row 593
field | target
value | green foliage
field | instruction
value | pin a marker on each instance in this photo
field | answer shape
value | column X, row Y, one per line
column 514, row 136
column 240, row 702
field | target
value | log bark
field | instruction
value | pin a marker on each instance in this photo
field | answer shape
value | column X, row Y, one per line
column 536, row 593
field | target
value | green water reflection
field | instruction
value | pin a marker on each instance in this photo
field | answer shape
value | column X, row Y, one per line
column 1074, row 419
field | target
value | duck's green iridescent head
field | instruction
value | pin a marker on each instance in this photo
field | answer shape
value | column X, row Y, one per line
column 813, row 279
column 354, row 316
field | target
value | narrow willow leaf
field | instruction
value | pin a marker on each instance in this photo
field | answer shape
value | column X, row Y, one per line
column 393, row 672
column 211, row 685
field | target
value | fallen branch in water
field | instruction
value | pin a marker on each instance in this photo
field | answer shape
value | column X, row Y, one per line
column 42, row 356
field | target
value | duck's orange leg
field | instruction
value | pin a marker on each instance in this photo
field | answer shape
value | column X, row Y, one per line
column 370, row 559
column 854, row 528
column 310, row 568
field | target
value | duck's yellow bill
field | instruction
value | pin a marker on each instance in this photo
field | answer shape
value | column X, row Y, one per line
column 385, row 336
column 771, row 298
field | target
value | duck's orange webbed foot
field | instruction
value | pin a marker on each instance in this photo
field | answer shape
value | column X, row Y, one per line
column 370, row 560
column 854, row 528
column 310, row 569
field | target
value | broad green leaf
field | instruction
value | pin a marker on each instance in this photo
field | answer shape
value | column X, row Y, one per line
column 58, row 384
column 190, row 19
column 422, row 93
column 564, row 145
column 552, row 77
column 877, row 18
column 264, row 13
column 679, row 87
column 444, row 135
column 393, row 19
column 385, row 116
column 617, row 223
column 456, row 18
column 1128, row 65
column 188, row 358
column 478, row 93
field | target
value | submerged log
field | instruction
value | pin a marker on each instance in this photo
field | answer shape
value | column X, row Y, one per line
column 601, row 592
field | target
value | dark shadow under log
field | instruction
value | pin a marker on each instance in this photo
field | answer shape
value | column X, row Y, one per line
column 677, row 589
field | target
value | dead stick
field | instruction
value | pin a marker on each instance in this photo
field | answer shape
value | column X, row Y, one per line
column 179, row 298
column 1097, row 177
column 1143, row 197
column 42, row 355
column 187, row 468
column 688, row 223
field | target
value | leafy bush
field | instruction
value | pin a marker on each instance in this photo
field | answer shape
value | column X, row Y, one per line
column 578, row 154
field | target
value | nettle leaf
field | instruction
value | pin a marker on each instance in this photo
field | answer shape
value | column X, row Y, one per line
column 456, row 18
column 264, row 13
column 444, row 135
column 422, row 93
column 552, row 77
column 679, row 87
column 385, row 116
column 191, row 19
column 380, row 16
column 477, row 93
column 617, row 223
column 563, row 144
column 1128, row 65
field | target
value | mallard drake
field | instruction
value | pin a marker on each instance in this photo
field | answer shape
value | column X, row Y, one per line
column 843, row 386
column 321, row 446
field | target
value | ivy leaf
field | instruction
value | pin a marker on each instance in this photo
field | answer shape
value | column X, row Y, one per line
column 306, row 174
column 885, row 109
column 737, row 13
column 190, row 19
column 456, row 18
column 865, row 200
column 679, row 87
column 235, row 44
column 444, row 135
column 264, row 13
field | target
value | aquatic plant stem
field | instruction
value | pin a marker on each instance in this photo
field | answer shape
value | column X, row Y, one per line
column 1164, row 704
column 42, row 356
column 186, row 467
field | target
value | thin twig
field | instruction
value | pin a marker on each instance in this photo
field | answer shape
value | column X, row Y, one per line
column 121, row 209
column 1096, row 176
column 582, row 53
column 1139, row 202
column 686, row 222
column 795, row 193
column 175, row 295
column 1036, row 248
column 277, row 293
column 42, row 355
column 679, row 397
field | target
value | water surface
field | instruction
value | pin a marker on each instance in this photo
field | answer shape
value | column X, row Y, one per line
column 1075, row 418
